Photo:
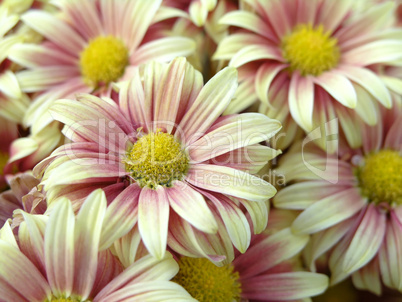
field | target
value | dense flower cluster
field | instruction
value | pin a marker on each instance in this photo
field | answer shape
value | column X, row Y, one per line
column 200, row 150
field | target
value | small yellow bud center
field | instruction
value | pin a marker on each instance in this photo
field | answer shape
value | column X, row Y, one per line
column 380, row 177
column 207, row 282
column 103, row 60
column 157, row 159
column 310, row 50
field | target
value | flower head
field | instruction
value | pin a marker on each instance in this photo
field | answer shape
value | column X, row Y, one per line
column 162, row 146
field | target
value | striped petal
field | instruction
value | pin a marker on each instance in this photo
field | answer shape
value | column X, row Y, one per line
column 329, row 211
column 230, row 181
column 212, row 100
column 59, row 248
column 233, row 132
column 191, row 206
column 252, row 53
column 265, row 75
column 301, row 100
column 153, row 218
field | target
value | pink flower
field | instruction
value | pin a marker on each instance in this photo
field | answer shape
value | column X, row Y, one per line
column 163, row 148
column 58, row 258
column 87, row 46
column 322, row 53
column 352, row 204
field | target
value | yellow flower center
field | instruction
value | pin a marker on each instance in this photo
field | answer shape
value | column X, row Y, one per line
column 310, row 50
column 103, row 60
column 3, row 161
column 381, row 178
column 157, row 159
column 207, row 282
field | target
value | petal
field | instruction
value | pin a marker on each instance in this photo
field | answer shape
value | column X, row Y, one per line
column 284, row 286
column 339, row 87
column 258, row 212
column 301, row 100
column 368, row 278
column 230, row 181
column 59, row 248
column 19, row 278
column 254, row 52
column 333, row 13
column 235, row 221
column 55, row 30
column 191, row 206
column 281, row 246
column 329, row 211
column 121, row 215
column 233, row 132
column 153, row 218
column 249, row 21
column 87, row 234
column 369, row 80
column 162, row 50
column 212, row 100
column 265, row 75
column 168, row 98
column 9, row 85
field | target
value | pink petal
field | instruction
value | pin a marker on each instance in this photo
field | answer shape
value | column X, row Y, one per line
column 233, row 132
column 191, row 206
column 301, row 100
column 366, row 240
column 121, row 215
column 59, row 248
column 87, row 235
column 265, row 75
column 254, row 52
column 333, row 13
column 153, row 218
column 339, row 87
column 229, row 181
column 368, row 278
column 212, row 100
column 329, row 211
column 284, row 286
column 55, row 30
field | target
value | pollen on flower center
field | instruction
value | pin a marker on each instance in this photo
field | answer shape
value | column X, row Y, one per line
column 380, row 177
column 64, row 300
column 310, row 50
column 208, row 282
column 103, row 60
column 156, row 159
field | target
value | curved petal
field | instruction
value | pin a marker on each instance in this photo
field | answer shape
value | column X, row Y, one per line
column 284, row 286
column 55, row 30
column 329, row 211
column 265, row 75
column 339, row 87
column 252, row 53
column 230, row 181
column 233, row 132
column 191, row 206
column 212, row 100
column 153, row 218
column 301, row 100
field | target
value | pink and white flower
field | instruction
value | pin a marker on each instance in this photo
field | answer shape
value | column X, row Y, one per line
column 323, row 50
column 162, row 147
column 352, row 203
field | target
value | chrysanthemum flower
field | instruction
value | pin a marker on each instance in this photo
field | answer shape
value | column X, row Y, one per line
column 267, row 271
column 352, row 201
column 164, row 140
column 57, row 258
column 322, row 47
column 88, row 45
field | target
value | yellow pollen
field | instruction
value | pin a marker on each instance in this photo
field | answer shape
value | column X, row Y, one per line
column 65, row 300
column 310, row 50
column 207, row 282
column 380, row 178
column 157, row 159
column 103, row 60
